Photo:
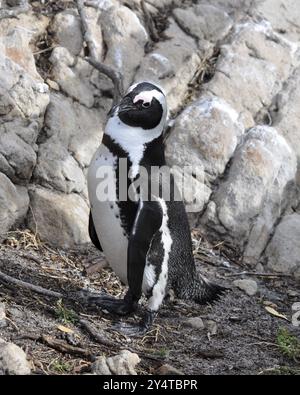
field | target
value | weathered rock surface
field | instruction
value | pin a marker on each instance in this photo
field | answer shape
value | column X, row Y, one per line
column 125, row 38
column 283, row 251
column 284, row 16
column 226, row 66
column 121, row 364
column 285, row 113
column 247, row 204
column 204, row 21
column 205, row 135
column 14, row 203
column 66, row 28
column 58, row 217
column 255, row 56
column 22, row 96
column 18, row 149
column 72, row 134
column 13, row 360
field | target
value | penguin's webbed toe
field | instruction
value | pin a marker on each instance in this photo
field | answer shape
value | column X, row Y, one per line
column 111, row 304
column 138, row 329
column 130, row 330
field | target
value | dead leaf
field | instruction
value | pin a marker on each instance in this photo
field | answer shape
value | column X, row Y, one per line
column 64, row 329
column 275, row 313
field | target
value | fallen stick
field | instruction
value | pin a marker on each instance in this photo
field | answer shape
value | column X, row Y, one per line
column 35, row 288
column 64, row 347
column 99, row 339
column 258, row 274
column 31, row 257
column 95, row 335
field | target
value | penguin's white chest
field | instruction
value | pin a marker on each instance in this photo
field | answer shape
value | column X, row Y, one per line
column 102, row 186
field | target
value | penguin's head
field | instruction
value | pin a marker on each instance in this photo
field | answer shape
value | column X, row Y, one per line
column 143, row 106
column 139, row 118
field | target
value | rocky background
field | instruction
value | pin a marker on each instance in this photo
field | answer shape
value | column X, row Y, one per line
column 231, row 70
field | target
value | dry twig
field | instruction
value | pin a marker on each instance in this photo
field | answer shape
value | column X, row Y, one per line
column 95, row 335
column 64, row 347
column 258, row 274
column 35, row 288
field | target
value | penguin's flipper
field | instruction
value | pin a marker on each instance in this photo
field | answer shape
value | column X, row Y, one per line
column 147, row 222
column 93, row 233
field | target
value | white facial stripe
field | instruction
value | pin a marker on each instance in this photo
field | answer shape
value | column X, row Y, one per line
column 147, row 96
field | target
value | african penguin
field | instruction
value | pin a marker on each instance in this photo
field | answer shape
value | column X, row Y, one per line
column 146, row 241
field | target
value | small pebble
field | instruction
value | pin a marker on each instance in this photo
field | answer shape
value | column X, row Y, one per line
column 168, row 370
column 212, row 327
column 194, row 322
column 248, row 286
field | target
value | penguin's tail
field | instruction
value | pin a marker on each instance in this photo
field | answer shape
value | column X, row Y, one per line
column 205, row 291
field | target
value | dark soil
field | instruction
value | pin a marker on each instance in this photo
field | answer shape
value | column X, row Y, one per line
column 245, row 342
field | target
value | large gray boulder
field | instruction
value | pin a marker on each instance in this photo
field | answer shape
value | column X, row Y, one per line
column 72, row 134
column 257, row 57
column 283, row 251
column 60, row 218
column 204, row 21
column 18, row 149
column 248, row 202
column 205, row 136
column 125, row 38
column 23, row 101
column 13, row 360
column 66, row 30
column 22, row 93
column 285, row 113
column 284, row 16
column 14, row 203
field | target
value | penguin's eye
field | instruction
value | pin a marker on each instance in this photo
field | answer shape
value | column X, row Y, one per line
column 146, row 104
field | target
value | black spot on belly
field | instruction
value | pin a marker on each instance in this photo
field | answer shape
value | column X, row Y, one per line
column 111, row 206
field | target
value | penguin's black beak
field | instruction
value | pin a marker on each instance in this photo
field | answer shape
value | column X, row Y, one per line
column 126, row 104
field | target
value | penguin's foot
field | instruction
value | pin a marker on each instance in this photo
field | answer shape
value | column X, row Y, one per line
column 110, row 303
column 139, row 329
column 113, row 305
